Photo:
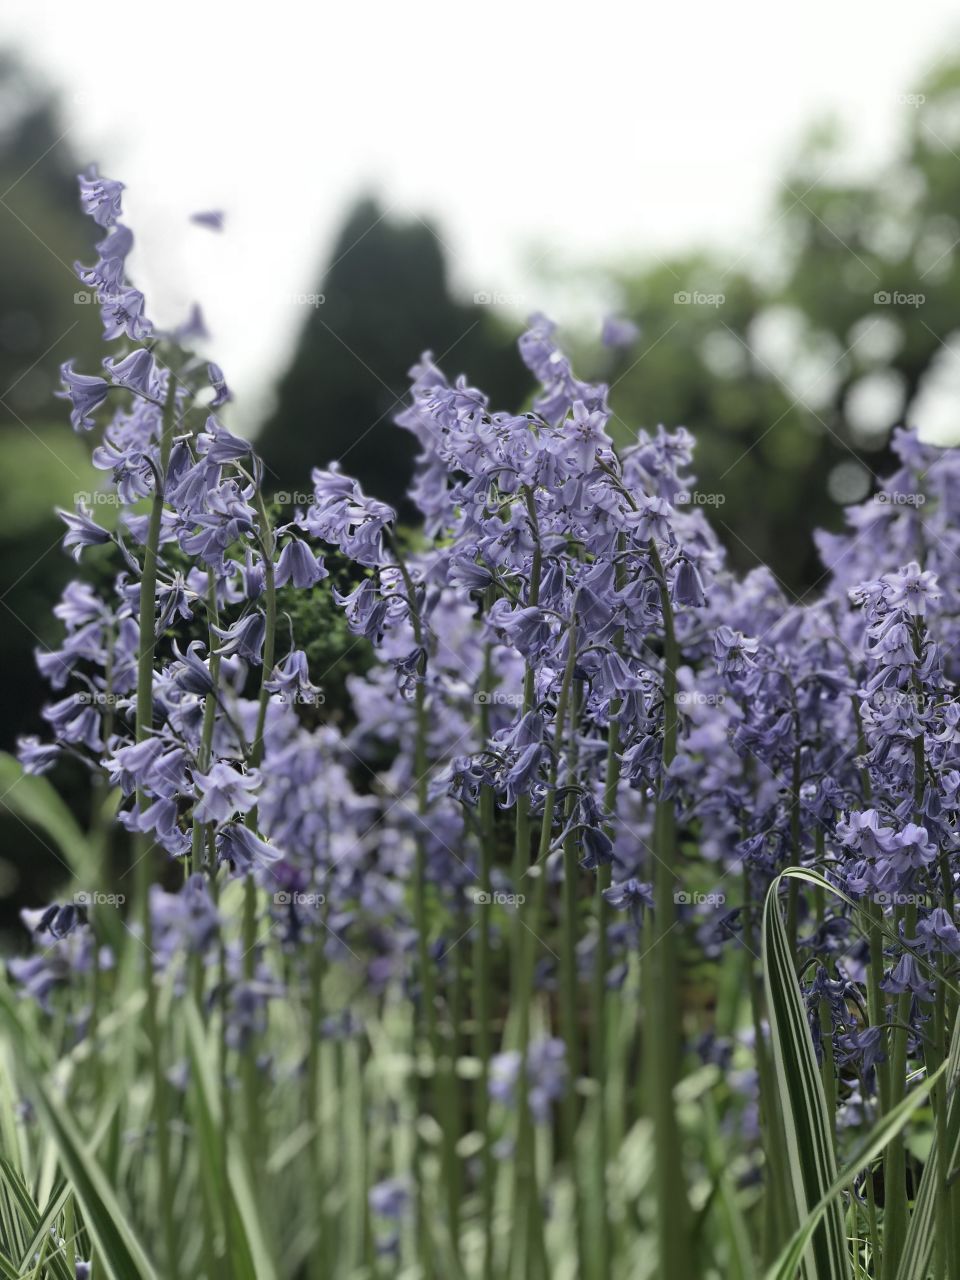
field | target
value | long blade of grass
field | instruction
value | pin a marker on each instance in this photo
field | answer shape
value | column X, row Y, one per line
column 813, row 1170
column 250, row 1255
column 110, row 1230
column 918, row 1246
column 35, row 801
column 785, row 1268
column 37, row 1223
column 45, row 1221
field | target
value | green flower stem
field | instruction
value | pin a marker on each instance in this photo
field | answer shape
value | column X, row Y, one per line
column 528, row 1224
column 443, row 1065
column 521, row 845
column 776, row 1213
column 482, row 972
column 268, row 547
column 527, row 1232
column 599, row 1025
column 895, row 1164
column 569, row 1004
column 248, row 1057
column 663, row 1029
column 828, row 1070
column 209, row 716
column 144, row 724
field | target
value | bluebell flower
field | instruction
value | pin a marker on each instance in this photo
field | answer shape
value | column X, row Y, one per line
column 215, row 443
column 122, row 314
column 937, row 932
column 36, row 757
column 86, row 393
column 184, row 921
column 390, row 1198
column 138, row 372
column 244, row 851
column 619, row 332
column 224, row 792
column 629, row 894
column 299, row 565
column 546, row 1075
column 244, row 639
column 100, row 197
column 687, row 585
column 905, row 976
column 212, row 219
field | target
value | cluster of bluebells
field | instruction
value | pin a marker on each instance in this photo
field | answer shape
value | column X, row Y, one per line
column 566, row 638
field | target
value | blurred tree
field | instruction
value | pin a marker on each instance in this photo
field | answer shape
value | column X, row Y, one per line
column 385, row 299
column 791, row 373
column 45, row 315
column 42, row 323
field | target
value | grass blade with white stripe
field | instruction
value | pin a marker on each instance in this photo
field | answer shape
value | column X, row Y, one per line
column 109, row 1228
column 813, row 1169
column 918, row 1246
column 785, row 1268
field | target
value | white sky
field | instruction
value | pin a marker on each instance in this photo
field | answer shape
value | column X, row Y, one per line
column 525, row 130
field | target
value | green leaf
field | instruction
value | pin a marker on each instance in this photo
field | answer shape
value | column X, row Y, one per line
column 918, row 1246
column 109, row 1228
column 785, row 1268
column 812, row 1164
column 36, row 803
column 38, row 1224
column 250, row 1257
column 46, row 1220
